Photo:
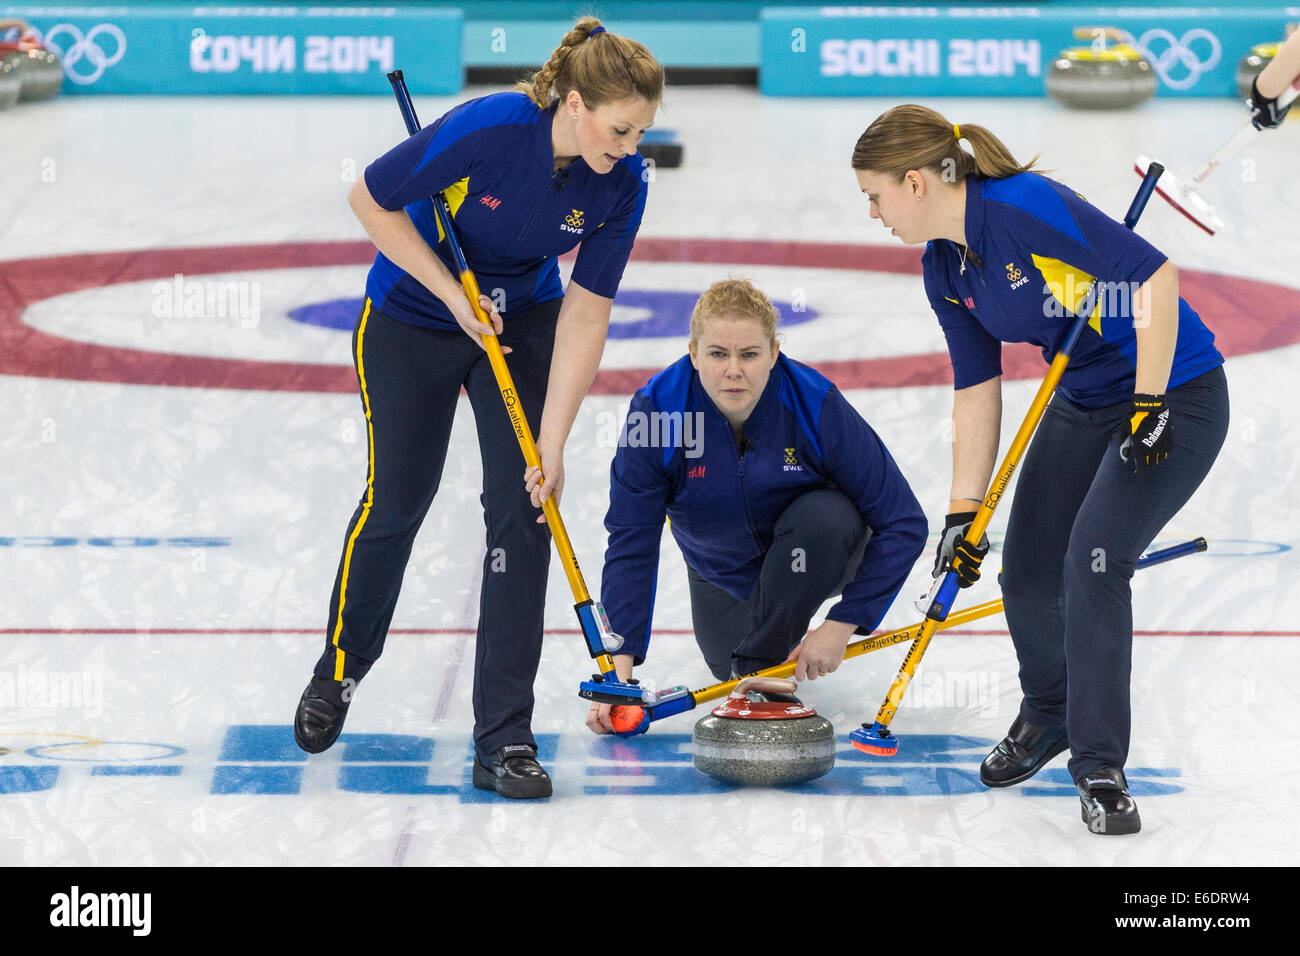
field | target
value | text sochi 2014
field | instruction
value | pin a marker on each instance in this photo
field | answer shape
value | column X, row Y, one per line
column 898, row 57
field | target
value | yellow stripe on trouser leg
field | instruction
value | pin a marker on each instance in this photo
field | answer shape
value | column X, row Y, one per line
column 365, row 506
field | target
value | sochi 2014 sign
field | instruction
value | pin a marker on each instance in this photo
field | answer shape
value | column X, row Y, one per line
column 260, row 50
column 993, row 51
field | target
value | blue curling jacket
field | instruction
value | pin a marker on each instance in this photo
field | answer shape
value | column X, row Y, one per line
column 1039, row 255
column 514, row 212
column 679, row 458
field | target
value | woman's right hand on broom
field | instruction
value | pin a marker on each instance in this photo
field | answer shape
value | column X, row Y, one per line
column 464, row 313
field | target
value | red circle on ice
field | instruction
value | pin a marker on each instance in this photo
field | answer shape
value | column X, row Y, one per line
column 1247, row 315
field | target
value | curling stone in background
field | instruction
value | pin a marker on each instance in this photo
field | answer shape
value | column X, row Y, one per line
column 661, row 147
column 1252, row 64
column 763, row 743
column 39, row 70
column 11, row 84
column 1101, row 77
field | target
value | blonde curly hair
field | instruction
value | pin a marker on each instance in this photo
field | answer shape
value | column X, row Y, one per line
column 734, row 298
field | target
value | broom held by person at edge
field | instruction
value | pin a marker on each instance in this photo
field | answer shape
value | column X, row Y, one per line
column 1280, row 72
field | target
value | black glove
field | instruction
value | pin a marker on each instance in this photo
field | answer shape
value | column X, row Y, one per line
column 956, row 552
column 1263, row 110
column 1151, row 432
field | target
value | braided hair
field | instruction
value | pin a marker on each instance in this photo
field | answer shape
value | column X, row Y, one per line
column 602, row 66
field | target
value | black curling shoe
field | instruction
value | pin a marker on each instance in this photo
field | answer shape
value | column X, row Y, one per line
column 1106, row 804
column 512, row 771
column 320, row 715
column 1022, row 753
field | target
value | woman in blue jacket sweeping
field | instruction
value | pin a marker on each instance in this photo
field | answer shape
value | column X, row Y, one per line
column 528, row 174
column 1012, row 256
column 780, row 496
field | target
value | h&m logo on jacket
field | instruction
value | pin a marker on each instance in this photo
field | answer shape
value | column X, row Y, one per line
column 791, row 461
column 573, row 223
column 695, row 472
column 1015, row 276
column 490, row 201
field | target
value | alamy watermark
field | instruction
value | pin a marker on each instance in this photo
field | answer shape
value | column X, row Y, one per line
column 43, row 690
column 75, row 908
column 1109, row 300
column 966, row 690
column 624, row 429
column 182, row 298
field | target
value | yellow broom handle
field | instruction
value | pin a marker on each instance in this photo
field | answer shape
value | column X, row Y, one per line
column 857, row 648
column 997, row 489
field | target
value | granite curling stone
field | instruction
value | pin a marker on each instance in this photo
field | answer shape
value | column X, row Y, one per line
column 39, row 70
column 755, row 740
column 11, row 84
column 1113, row 78
column 1252, row 64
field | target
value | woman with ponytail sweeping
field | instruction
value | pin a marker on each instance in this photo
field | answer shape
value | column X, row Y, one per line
column 1135, row 424
column 529, row 175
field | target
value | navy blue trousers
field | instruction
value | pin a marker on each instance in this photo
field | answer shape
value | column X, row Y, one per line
column 1080, row 520
column 410, row 379
column 816, row 550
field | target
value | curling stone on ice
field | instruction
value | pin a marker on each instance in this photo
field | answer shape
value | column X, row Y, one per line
column 39, row 71
column 1101, row 77
column 764, row 742
column 1252, row 64
column 11, row 84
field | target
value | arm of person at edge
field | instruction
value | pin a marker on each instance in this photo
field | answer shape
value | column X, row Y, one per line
column 396, row 237
column 1281, row 71
column 1155, row 324
column 579, row 343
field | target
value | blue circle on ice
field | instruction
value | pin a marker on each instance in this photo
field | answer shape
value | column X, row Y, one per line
column 637, row 314
column 336, row 314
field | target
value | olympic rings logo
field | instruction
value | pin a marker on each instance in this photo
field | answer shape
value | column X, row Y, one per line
column 86, row 47
column 1179, row 52
column 78, row 748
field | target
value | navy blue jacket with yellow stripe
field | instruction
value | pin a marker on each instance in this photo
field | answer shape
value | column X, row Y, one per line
column 724, row 502
column 514, row 212
column 1038, row 255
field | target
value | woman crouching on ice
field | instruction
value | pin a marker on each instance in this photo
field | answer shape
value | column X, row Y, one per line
column 785, row 498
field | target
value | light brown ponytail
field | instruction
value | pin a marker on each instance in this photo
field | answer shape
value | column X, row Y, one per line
column 603, row 67
column 914, row 137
